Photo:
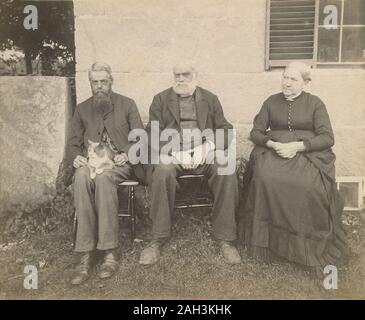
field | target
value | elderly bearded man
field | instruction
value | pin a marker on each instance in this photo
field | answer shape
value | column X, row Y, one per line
column 187, row 106
column 107, row 118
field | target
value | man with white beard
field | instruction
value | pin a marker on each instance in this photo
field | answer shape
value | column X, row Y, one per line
column 107, row 118
column 186, row 106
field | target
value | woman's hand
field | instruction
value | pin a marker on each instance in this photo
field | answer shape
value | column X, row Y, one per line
column 286, row 150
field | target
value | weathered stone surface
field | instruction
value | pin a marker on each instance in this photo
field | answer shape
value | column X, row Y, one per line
column 32, row 134
column 244, row 145
column 150, row 36
column 173, row 8
column 350, row 151
column 343, row 93
column 158, row 43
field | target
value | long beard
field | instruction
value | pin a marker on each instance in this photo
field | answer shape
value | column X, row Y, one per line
column 186, row 88
column 102, row 101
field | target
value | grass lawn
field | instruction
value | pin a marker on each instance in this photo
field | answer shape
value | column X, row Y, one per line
column 190, row 268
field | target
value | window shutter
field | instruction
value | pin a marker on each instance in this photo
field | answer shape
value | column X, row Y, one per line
column 291, row 32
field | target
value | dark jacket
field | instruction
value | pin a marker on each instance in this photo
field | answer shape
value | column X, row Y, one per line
column 165, row 110
column 88, row 124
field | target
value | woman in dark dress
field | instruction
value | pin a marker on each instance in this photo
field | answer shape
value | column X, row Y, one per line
column 291, row 207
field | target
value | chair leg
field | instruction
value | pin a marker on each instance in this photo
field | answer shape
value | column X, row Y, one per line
column 74, row 229
column 132, row 213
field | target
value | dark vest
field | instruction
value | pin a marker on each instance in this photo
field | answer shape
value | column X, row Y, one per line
column 188, row 117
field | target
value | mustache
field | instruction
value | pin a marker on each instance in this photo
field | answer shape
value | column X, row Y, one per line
column 100, row 96
column 185, row 87
column 100, row 93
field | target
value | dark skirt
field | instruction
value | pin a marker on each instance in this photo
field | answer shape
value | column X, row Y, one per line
column 291, row 208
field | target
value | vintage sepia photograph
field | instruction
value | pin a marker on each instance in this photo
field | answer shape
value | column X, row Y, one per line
column 182, row 150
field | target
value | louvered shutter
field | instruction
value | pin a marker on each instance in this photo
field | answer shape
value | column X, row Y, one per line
column 291, row 32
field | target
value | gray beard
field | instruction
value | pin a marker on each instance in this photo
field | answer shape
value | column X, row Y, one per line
column 186, row 90
column 101, row 101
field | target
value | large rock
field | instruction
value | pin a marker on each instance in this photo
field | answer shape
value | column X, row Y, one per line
column 32, row 137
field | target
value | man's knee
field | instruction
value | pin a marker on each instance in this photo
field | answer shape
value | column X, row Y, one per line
column 230, row 179
column 105, row 178
column 164, row 171
column 82, row 174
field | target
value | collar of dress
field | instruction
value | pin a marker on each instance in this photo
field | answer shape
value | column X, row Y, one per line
column 293, row 97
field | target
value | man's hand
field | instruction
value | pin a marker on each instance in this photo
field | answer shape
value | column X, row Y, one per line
column 120, row 159
column 200, row 155
column 184, row 159
column 79, row 161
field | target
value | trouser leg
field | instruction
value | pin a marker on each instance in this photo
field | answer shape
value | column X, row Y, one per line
column 96, row 203
column 107, row 204
column 163, row 190
column 84, row 186
column 223, row 187
column 225, row 206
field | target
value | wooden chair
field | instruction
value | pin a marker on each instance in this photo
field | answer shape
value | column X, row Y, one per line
column 193, row 197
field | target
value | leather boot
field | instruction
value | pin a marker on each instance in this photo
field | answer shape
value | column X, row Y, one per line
column 229, row 252
column 82, row 270
column 109, row 265
column 151, row 254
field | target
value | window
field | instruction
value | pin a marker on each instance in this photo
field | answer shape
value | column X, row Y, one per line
column 319, row 32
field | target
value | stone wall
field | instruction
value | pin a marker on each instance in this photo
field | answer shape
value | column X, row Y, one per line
column 32, row 137
column 226, row 39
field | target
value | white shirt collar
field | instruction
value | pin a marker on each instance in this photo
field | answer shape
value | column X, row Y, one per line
column 293, row 97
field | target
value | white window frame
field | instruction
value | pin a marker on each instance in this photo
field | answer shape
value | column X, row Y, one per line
column 313, row 62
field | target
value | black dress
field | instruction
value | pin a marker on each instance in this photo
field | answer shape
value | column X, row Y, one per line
column 291, row 207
